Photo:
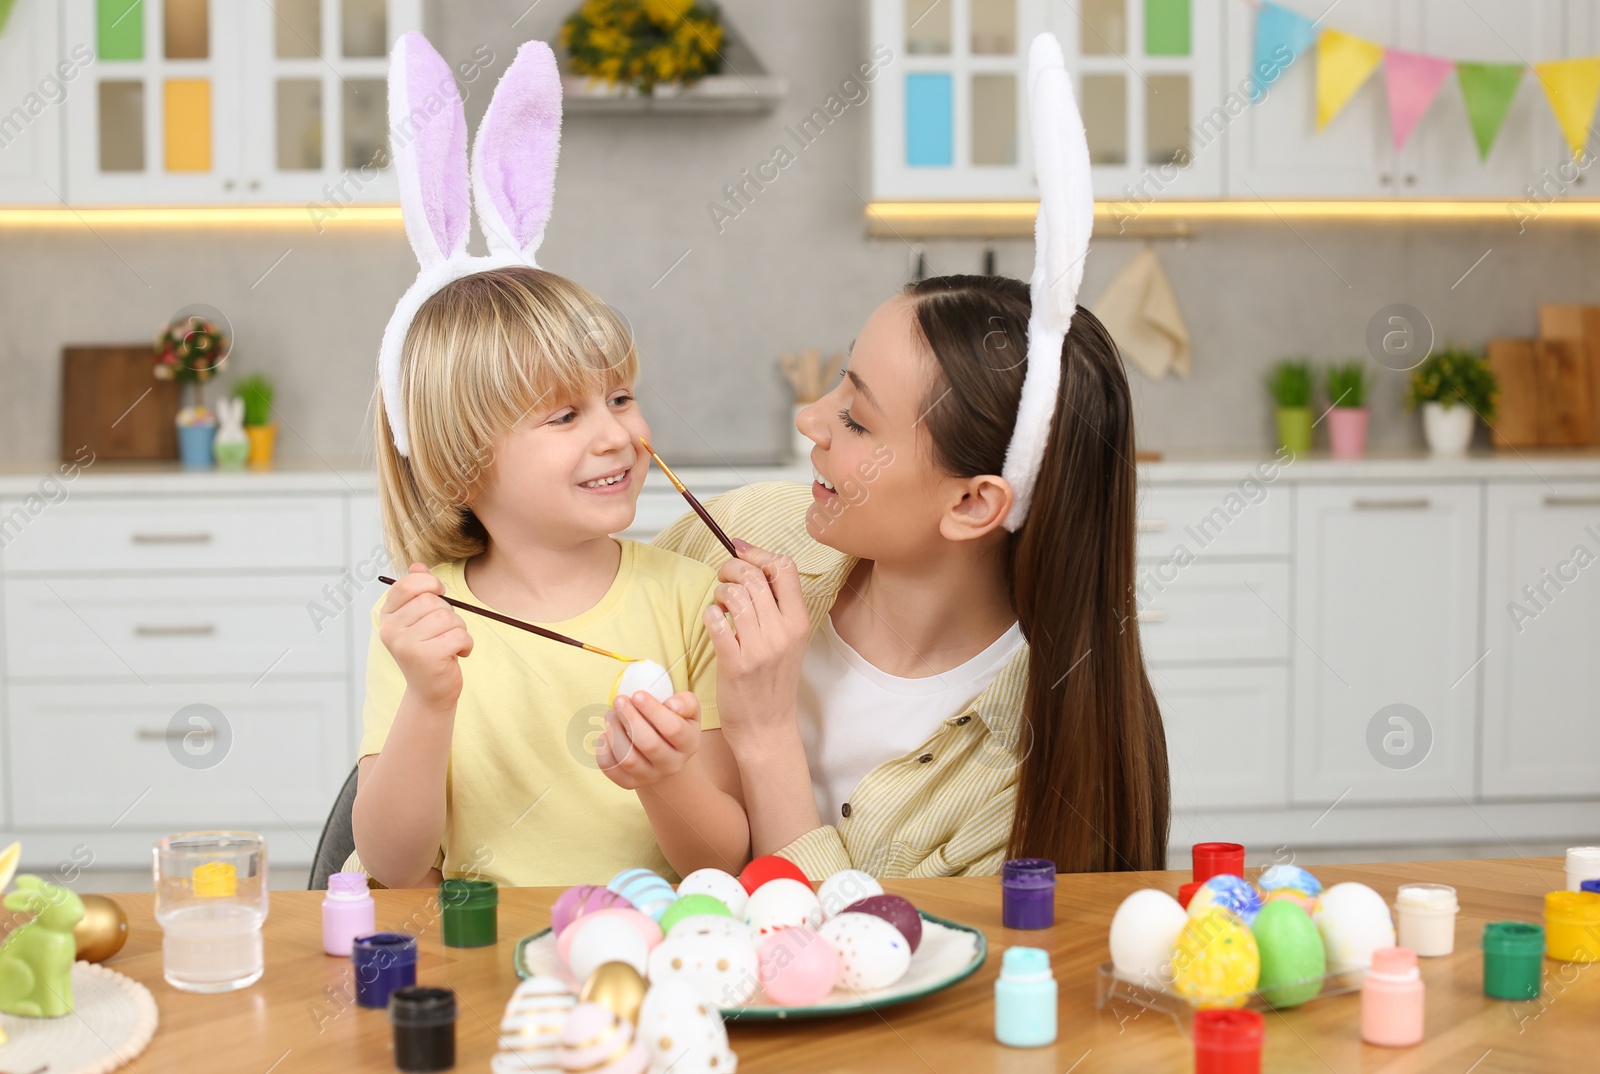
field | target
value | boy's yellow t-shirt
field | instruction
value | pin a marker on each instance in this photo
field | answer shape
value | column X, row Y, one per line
column 525, row 801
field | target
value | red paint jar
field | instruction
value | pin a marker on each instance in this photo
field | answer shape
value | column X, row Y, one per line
column 1216, row 859
column 1227, row 1042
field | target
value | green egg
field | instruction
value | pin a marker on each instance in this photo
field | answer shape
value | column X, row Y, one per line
column 688, row 906
column 1292, row 959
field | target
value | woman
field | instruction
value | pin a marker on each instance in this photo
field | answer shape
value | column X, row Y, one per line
column 876, row 692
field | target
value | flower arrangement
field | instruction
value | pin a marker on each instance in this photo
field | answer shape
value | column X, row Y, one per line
column 189, row 350
column 642, row 43
column 1455, row 375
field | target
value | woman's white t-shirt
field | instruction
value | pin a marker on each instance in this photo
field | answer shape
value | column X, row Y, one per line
column 853, row 717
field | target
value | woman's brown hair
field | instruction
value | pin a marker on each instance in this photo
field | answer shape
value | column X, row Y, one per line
column 1092, row 789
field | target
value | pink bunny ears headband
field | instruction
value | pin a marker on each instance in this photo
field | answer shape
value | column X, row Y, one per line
column 512, row 180
column 1061, row 240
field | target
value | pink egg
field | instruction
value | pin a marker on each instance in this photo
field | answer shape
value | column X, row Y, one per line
column 648, row 930
column 798, row 967
column 585, row 898
column 596, row 1039
column 896, row 911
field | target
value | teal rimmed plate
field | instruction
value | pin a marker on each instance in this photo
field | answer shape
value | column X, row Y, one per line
column 948, row 954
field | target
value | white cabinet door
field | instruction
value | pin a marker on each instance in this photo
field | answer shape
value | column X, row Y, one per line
column 1441, row 159
column 359, row 591
column 1226, row 735
column 1386, row 641
column 1213, row 611
column 36, row 78
column 1274, row 147
column 1541, row 737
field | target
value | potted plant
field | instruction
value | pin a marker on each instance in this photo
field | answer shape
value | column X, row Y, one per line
column 257, row 393
column 1290, row 385
column 189, row 350
column 1453, row 387
column 649, row 47
column 1346, row 384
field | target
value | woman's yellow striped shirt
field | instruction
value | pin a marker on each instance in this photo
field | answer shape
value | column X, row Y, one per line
column 944, row 809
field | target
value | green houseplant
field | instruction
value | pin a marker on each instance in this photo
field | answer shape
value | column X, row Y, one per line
column 1453, row 387
column 257, row 393
column 1346, row 384
column 1290, row 384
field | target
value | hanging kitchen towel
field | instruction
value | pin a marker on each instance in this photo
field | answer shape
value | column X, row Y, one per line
column 1139, row 310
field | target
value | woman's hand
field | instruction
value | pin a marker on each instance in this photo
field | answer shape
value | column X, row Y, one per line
column 647, row 741
column 759, row 658
column 425, row 636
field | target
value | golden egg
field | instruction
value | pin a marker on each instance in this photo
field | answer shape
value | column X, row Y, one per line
column 616, row 986
column 102, row 930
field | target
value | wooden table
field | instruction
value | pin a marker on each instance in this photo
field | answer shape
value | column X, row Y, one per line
column 301, row 1016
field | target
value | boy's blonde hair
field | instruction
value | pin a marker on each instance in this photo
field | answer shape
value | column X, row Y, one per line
column 483, row 353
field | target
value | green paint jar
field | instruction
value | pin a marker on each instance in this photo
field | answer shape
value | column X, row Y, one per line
column 471, row 910
column 1513, row 959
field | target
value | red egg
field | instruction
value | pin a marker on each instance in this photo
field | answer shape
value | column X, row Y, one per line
column 896, row 911
column 769, row 867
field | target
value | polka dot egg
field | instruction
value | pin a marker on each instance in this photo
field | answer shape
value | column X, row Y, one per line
column 872, row 953
column 683, row 1031
column 724, row 967
column 722, row 886
column 782, row 903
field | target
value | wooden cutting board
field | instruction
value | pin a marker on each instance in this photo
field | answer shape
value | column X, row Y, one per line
column 1562, row 369
column 1517, row 423
column 112, row 403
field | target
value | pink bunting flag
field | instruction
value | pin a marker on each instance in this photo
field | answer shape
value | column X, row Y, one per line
column 1413, row 82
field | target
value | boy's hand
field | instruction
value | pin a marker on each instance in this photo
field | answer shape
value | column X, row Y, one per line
column 647, row 741
column 425, row 636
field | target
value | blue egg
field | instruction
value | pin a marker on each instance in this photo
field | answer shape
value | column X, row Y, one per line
column 1232, row 893
column 647, row 891
column 1292, row 877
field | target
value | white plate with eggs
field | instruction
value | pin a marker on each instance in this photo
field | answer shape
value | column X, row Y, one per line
column 948, row 954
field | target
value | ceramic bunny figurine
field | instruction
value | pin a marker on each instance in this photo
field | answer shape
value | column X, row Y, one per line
column 230, row 418
column 36, row 959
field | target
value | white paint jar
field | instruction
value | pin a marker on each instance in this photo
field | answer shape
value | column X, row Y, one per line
column 1425, row 916
column 1583, row 863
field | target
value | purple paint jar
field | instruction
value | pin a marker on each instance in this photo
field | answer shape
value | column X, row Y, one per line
column 1028, row 893
column 383, row 962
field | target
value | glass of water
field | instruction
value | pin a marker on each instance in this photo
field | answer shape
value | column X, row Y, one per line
column 210, row 901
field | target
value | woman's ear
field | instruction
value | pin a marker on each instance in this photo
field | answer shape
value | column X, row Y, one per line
column 984, row 503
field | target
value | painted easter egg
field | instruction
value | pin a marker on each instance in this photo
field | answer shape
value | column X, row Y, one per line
column 1308, row 903
column 683, row 1031
column 780, row 904
column 896, row 911
column 1292, row 960
column 646, row 675
column 585, row 898
column 693, row 906
column 530, row 1029
column 1215, row 962
column 845, row 887
column 616, row 985
column 872, row 953
column 722, row 966
column 599, row 940
column 647, row 891
column 1144, row 931
column 770, row 867
column 1289, row 878
column 648, row 930
column 798, row 967
column 712, row 924
column 717, row 884
column 1354, row 921
column 1232, row 893
column 596, row 1039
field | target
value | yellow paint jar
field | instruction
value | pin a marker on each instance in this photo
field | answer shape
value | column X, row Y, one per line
column 1572, row 926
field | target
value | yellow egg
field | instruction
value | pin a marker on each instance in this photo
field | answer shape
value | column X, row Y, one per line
column 1216, row 962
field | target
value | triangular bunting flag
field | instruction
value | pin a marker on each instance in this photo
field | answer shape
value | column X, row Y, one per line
column 1281, row 36
column 1344, row 63
column 1488, row 89
column 1413, row 81
column 1572, row 86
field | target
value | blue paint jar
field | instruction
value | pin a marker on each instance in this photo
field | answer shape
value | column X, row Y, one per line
column 1590, row 885
column 1025, row 999
column 383, row 962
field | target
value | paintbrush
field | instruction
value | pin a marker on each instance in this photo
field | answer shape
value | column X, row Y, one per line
column 539, row 630
column 701, row 511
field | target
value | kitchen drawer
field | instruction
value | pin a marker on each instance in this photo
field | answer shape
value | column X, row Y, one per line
column 179, row 627
column 1226, row 735
column 1213, row 611
column 93, row 756
column 179, row 533
column 1241, row 518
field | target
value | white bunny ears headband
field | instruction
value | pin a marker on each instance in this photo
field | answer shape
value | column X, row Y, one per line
column 1061, row 240
column 512, row 180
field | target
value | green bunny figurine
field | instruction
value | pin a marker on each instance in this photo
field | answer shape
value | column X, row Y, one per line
column 36, row 959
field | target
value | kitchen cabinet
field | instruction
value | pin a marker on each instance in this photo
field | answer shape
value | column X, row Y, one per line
column 36, row 77
column 1227, row 737
column 1387, row 587
column 1542, row 613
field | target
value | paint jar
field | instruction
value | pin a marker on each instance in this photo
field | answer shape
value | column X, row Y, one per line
column 1186, row 892
column 1583, row 863
column 1572, row 926
column 424, row 1021
column 1392, row 999
column 347, row 912
column 471, row 909
column 1025, row 999
column 1227, row 1041
column 383, row 962
column 1513, row 959
column 1590, row 885
column 1217, row 859
column 1028, row 893
column 1425, row 918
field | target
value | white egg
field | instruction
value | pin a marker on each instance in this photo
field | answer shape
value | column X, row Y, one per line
column 1144, row 931
column 1354, row 921
column 683, row 1030
column 780, row 903
column 845, row 887
column 711, row 925
column 646, row 675
column 724, row 967
column 606, row 939
column 872, row 953
column 717, row 884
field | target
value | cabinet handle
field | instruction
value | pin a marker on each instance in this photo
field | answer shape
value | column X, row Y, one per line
column 1421, row 503
column 1385, row 178
column 1411, row 180
column 255, row 184
column 1151, row 615
column 172, row 538
column 1151, row 525
column 175, row 630
column 162, row 734
column 227, row 184
column 1572, row 501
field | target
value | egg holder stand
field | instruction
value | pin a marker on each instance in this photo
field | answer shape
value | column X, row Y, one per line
column 963, row 947
column 1112, row 988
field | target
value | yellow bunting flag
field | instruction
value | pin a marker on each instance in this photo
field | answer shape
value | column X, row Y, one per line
column 1572, row 86
column 1344, row 63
